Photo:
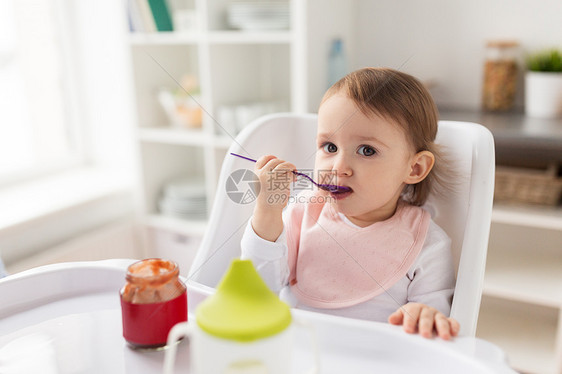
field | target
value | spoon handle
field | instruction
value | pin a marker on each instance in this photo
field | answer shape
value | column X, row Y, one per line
column 244, row 157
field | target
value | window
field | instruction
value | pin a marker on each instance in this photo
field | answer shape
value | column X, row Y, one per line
column 38, row 121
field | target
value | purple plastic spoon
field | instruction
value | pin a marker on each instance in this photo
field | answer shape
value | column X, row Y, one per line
column 328, row 187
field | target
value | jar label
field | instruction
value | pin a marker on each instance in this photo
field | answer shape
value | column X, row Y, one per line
column 149, row 324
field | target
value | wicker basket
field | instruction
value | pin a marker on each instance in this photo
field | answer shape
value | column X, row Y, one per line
column 528, row 185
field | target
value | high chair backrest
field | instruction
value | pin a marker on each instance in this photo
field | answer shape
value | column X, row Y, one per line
column 464, row 212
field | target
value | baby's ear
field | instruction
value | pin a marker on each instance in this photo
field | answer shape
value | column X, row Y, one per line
column 420, row 166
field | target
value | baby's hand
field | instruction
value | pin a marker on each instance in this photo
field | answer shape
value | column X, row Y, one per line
column 426, row 319
column 275, row 177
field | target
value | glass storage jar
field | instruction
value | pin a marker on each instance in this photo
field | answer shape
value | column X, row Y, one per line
column 153, row 300
column 500, row 75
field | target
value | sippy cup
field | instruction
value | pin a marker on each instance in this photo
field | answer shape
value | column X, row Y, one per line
column 242, row 328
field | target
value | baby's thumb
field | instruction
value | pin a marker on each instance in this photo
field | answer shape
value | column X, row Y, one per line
column 396, row 317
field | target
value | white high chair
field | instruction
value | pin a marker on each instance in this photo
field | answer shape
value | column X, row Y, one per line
column 465, row 214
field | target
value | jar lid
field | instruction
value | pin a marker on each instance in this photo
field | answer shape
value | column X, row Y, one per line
column 502, row 43
column 243, row 307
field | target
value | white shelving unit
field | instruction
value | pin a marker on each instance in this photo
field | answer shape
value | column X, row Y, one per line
column 232, row 67
column 522, row 298
column 521, row 308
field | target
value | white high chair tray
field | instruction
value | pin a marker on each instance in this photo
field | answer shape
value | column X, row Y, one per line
column 66, row 318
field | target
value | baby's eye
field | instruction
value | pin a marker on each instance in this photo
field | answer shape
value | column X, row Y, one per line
column 330, row 147
column 366, row 150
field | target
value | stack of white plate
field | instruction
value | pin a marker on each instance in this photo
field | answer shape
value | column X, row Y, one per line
column 185, row 199
column 259, row 15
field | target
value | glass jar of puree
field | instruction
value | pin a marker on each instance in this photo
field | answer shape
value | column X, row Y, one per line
column 500, row 75
column 153, row 300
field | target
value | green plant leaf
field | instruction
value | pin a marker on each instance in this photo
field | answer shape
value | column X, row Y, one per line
column 546, row 61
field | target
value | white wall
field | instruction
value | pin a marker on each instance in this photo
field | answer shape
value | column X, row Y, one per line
column 326, row 20
column 443, row 40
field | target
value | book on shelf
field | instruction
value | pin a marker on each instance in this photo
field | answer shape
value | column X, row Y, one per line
column 161, row 15
column 149, row 16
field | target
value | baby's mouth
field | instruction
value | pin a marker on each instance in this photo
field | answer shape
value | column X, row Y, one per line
column 341, row 193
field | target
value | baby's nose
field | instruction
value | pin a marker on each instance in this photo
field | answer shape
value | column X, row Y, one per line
column 342, row 166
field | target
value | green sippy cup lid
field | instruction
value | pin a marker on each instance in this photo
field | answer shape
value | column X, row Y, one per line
column 243, row 307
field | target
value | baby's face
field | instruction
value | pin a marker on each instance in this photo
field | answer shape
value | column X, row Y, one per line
column 369, row 154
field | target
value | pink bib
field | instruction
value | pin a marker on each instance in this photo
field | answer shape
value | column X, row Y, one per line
column 334, row 265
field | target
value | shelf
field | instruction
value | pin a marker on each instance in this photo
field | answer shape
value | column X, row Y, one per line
column 164, row 38
column 513, row 127
column 177, row 225
column 528, row 216
column 519, row 140
column 527, row 337
column 526, row 279
column 213, row 37
column 250, row 37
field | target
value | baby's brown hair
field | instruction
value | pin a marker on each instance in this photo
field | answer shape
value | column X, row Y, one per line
column 404, row 100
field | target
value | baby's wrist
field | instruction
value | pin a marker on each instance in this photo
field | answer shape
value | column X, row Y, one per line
column 266, row 209
column 267, row 223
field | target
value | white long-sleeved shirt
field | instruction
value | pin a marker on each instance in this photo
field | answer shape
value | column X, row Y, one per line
column 430, row 280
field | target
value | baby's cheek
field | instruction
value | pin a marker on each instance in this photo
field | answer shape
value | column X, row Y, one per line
column 323, row 174
column 320, row 161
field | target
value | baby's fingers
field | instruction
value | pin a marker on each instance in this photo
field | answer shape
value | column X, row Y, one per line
column 289, row 168
column 411, row 317
column 265, row 166
column 443, row 326
column 455, row 326
column 446, row 327
column 396, row 318
column 260, row 162
column 428, row 317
